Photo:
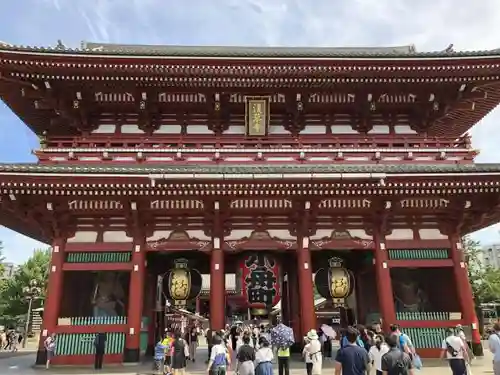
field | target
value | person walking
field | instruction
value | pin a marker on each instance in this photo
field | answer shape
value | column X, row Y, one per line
column 100, row 348
column 396, row 361
column 494, row 344
column 376, row 353
column 209, row 337
column 352, row 358
column 283, row 361
column 307, row 357
column 192, row 337
column 220, row 360
column 264, row 358
column 455, row 351
column 50, row 349
column 159, row 358
column 245, row 357
column 313, row 350
column 180, row 351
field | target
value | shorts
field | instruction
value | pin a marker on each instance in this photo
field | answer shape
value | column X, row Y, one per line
column 50, row 354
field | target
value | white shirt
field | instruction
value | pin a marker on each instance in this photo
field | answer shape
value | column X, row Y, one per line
column 217, row 349
column 312, row 351
column 456, row 343
column 264, row 355
column 376, row 355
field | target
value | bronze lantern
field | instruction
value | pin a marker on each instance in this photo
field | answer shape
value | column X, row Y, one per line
column 182, row 284
column 336, row 282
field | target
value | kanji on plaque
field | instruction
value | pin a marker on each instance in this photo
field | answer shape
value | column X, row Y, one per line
column 260, row 275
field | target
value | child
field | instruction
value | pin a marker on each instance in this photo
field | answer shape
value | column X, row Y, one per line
column 159, row 357
column 167, row 343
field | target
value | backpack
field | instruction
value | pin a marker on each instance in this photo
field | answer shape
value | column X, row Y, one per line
column 400, row 367
column 453, row 352
column 401, row 342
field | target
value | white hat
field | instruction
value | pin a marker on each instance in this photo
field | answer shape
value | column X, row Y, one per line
column 312, row 335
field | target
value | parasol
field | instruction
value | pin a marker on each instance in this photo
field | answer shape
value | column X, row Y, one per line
column 329, row 331
column 282, row 336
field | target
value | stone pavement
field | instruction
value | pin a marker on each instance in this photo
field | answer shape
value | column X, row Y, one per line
column 23, row 365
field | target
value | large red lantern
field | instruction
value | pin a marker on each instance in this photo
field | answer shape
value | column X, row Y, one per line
column 260, row 280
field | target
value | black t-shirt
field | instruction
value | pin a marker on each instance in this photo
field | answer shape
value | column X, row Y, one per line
column 354, row 360
column 392, row 358
column 246, row 353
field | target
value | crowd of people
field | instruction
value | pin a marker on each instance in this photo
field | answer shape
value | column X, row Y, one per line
column 249, row 351
column 252, row 352
column 10, row 339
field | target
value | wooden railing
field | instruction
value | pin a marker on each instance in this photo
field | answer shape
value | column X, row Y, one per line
column 305, row 141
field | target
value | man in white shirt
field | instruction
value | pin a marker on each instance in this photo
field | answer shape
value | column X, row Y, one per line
column 494, row 344
column 455, row 351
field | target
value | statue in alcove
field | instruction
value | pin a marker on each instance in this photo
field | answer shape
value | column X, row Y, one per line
column 108, row 295
column 408, row 293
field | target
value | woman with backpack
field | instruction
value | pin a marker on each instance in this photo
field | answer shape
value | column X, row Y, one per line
column 220, row 359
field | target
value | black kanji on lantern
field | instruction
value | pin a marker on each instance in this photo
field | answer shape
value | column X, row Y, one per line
column 260, row 282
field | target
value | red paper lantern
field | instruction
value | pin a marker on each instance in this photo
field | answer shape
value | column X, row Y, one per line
column 259, row 280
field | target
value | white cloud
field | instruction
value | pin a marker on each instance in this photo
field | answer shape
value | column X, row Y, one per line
column 430, row 25
column 16, row 247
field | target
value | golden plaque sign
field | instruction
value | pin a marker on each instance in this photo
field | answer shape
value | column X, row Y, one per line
column 256, row 115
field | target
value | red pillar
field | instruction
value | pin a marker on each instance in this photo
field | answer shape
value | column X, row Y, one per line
column 135, row 302
column 217, row 288
column 306, row 287
column 198, row 305
column 384, row 283
column 294, row 302
column 285, row 308
column 464, row 289
column 53, row 296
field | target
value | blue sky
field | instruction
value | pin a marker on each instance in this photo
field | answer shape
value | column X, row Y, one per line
column 429, row 24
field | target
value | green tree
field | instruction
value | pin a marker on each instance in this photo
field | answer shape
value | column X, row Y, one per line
column 14, row 305
column 485, row 280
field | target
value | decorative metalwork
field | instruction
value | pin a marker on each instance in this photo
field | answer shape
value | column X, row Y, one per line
column 179, row 282
column 257, row 115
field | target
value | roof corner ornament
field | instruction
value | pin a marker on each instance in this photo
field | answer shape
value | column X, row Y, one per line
column 60, row 46
column 43, row 140
column 449, row 49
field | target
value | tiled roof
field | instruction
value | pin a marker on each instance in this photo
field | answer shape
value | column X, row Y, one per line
column 248, row 52
column 250, row 168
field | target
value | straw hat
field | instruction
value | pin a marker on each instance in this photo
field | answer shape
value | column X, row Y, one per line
column 312, row 335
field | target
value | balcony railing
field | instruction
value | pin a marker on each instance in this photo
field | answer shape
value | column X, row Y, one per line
column 210, row 141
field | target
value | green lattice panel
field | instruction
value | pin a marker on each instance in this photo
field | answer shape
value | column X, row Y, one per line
column 426, row 338
column 416, row 254
column 83, row 343
column 99, row 257
column 96, row 320
column 423, row 316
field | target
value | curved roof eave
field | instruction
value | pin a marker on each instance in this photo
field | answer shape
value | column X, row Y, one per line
column 103, row 50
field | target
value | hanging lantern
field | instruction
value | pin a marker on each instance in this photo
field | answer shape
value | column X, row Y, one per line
column 183, row 283
column 336, row 282
column 259, row 277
